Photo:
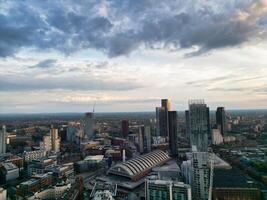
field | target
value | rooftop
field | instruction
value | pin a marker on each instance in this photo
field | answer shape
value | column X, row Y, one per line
column 9, row 166
column 231, row 178
column 137, row 167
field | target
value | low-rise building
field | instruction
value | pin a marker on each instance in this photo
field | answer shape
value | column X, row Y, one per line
column 33, row 155
column 233, row 184
column 40, row 166
column 8, row 172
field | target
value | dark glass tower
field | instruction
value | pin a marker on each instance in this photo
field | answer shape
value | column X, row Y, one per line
column 221, row 119
column 125, row 127
column 172, row 119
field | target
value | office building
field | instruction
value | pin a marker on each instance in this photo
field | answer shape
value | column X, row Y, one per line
column 198, row 124
column 187, row 125
column 202, row 175
column 3, row 140
column 72, row 129
column 8, row 172
column 186, row 170
column 89, row 163
column 89, row 125
column 147, row 139
column 221, row 120
column 173, row 139
column 161, row 122
column 55, row 141
column 33, row 185
column 33, row 155
column 166, row 103
column 46, row 143
column 208, row 125
column 40, row 166
column 125, row 127
column 167, row 190
column 141, row 135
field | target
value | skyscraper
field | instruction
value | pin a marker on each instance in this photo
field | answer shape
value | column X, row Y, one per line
column 3, row 140
column 166, row 103
column 198, row 124
column 55, row 141
column 221, row 119
column 187, row 124
column 208, row 125
column 161, row 121
column 147, row 139
column 141, row 134
column 172, row 118
column 89, row 125
column 202, row 175
column 125, row 127
column 162, row 118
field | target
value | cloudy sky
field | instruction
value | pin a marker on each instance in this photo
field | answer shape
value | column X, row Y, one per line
column 64, row 56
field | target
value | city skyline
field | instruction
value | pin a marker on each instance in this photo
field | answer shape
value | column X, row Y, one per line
column 126, row 56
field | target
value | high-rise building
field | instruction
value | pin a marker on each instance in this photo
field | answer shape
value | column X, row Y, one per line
column 172, row 118
column 162, row 118
column 186, row 171
column 71, row 131
column 46, row 143
column 161, row 122
column 221, row 119
column 55, row 141
column 141, row 134
column 166, row 103
column 167, row 190
column 89, row 125
column 202, row 175
column 147, row 139
column 3, row 140
column 187, row 124
column 125, row 127
column 198, row 124
column 209, row 125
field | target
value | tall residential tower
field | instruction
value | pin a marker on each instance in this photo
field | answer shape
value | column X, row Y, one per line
column 198, row 124
column 221, row 119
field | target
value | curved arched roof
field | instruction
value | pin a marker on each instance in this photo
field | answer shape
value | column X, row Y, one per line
column 140, row 164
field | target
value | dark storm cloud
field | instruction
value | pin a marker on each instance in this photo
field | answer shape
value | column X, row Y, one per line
column 124, row 26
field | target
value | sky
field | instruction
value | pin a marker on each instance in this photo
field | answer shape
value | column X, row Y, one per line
column 125, row 55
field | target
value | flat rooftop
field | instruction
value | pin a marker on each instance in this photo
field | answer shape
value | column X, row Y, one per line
column 231, row 178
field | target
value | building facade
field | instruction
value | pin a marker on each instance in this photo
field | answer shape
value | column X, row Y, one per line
column 202, row 175
column 125, row 127
column 198, row 124
column 221, row 119
column 167, row 190
column 173, row 138
column 55, row 140
column 89, row 125
column 3, row 140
